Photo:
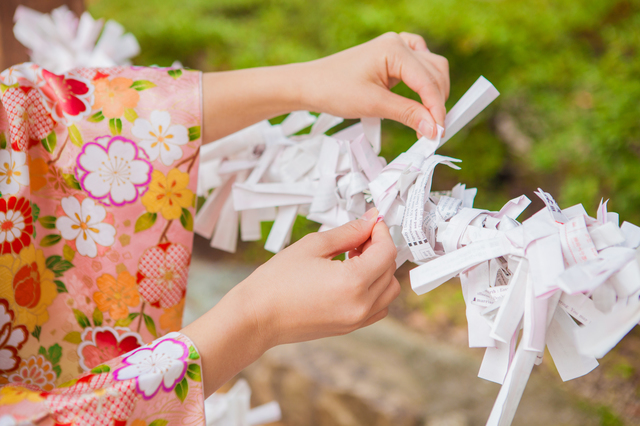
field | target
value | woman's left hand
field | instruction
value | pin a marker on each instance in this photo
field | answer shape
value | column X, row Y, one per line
column 353, row 83
column 356, row 82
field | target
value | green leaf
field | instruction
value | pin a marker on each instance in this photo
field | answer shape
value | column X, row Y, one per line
column 48, row 222
column 58, row 370
column 182, row 389
column 101, row 369
column 97, row 317
column 3, row 141
column 42, row 351
column 60, row 287
column 96, row 118
column 35, row 211
column 75, row 135
column 58, row 265
column 71, row 181
column 49, row 143
column 130, row 115
column 159, row 422
column 115, row 125
column 55, row 353
column 193, row 353
column 124, row 322
column 186, row 219
column 68, row 253
column 193, row 371
column 145, row 221
column 175, row 73
column 36, row 332
column 140, row 85
column 194, row 133
column 73, row 337
column 82, row 319
column 151, row 326
column 68, row 384
column 50, row 240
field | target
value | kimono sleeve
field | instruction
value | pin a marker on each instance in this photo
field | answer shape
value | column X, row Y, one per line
column 158, row 384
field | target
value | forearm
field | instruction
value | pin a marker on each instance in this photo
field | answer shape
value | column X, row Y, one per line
column 234, row 100
column 228, row 338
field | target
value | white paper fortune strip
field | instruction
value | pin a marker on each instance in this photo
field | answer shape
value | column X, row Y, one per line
column 234, row 408
column 568, row 281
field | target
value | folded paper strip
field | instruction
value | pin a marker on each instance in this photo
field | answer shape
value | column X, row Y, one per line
column 566, row 281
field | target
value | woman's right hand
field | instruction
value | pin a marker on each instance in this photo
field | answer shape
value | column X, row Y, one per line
column 302, row 294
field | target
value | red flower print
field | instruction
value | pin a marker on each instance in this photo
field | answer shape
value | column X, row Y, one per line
column 102, row 344
column 11, row 339
column 162, row 274
column 16, row 224
column 68, row 98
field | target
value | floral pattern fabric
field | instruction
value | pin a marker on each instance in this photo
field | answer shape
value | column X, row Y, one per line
column 97, row 197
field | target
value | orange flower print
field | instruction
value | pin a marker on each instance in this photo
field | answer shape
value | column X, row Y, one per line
column 171, row 319
column 38, row 169
column 115, row 295
column 114, row 96
column 35, row 371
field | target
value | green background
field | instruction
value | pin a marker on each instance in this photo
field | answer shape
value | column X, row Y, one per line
column 568, row 71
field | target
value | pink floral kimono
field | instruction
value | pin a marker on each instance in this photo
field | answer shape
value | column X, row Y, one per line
column 97, row 181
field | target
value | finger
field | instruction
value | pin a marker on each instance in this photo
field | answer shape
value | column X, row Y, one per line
column 442, row 64
column 438, row 69
column 377, row 287
column 353, row 253
column 378, row 257
column 404, row 110
column 409, row 69
column 388, row 295
column 375, row 318
column 414, row 41
column 346, row 237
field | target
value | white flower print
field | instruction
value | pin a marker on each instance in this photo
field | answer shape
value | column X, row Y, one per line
column 111, row 170
column 83, row 222
column 160, row 138
column 12, row 75
column 12, row 338
column 161, row 364
column 13, row 171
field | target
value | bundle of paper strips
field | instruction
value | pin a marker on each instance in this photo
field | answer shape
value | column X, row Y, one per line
column 566, row 280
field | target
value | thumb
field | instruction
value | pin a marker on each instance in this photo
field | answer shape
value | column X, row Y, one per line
column 406, row 111
column 348, row 236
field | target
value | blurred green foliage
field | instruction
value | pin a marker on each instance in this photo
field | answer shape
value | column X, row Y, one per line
column 568, row 70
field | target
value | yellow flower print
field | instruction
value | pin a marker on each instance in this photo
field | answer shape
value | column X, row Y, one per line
column 27, row 284
column 168, row 194
column 115, row 295
column 10, row 395
column 171, row 319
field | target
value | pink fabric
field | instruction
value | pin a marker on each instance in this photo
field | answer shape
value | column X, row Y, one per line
column 97, row 179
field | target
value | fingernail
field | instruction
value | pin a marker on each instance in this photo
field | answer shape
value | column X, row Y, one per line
column 427, row 129
column 379, row 218
column 370, row 214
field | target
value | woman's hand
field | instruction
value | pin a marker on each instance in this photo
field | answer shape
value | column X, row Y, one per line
column 356, row 82
column 300, row 294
